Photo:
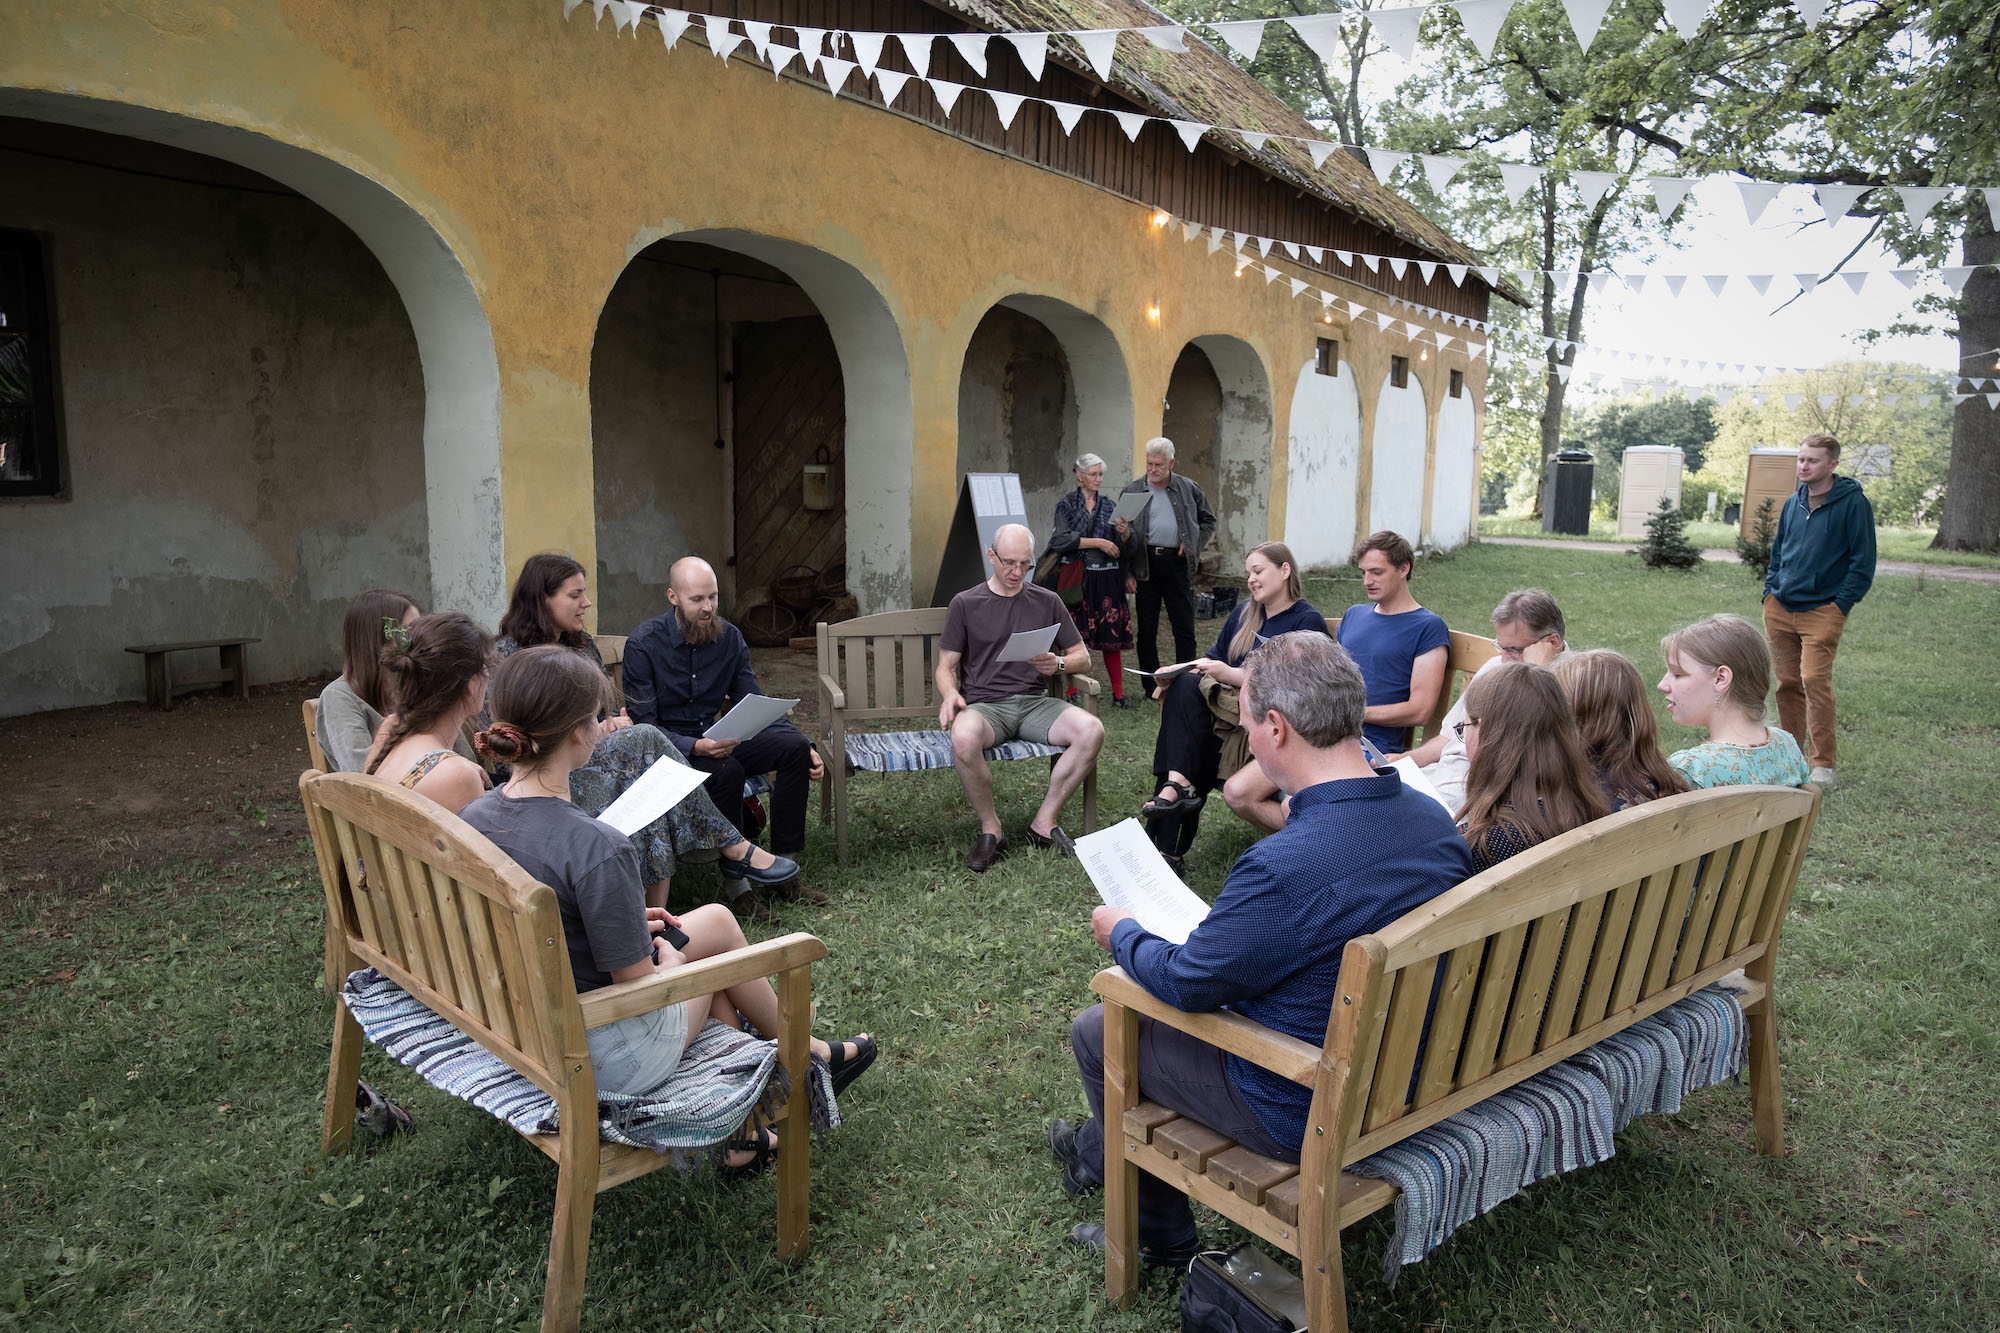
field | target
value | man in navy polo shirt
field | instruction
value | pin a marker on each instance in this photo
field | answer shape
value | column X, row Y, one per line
column 1402, row 649
column 1360, row 851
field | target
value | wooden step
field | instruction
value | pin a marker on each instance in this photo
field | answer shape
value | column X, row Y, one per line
column 1142, row 1119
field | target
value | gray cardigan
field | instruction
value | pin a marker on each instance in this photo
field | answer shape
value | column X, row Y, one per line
column 1191, row 514
column 347, row 727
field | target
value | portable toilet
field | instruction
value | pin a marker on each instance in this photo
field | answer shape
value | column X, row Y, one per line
column 1652, row 471
column 1773, row 475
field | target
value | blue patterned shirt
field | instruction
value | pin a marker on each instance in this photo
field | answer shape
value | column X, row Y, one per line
column 1714, row 764
column 1356, row 855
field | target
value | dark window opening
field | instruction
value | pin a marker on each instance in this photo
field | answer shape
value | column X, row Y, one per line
column 1326, row 360
column 1458, row 384
column 1399, row 372
column 30, row 456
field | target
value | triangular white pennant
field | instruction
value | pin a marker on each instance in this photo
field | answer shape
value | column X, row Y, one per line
column 1810, row 11
column 1068, row 114
column 867, row 51
column 1263, row 244
column 1033, row 48
column 1854, row 281
column 1564, row 370
column 835, row 72
column 1321, row 34
column 1585, row 18
column 1956, row 276
column 916, row 49
column 1356, row 310
column 812, row 45
column 597, row 11
column 1316, row 253
column 1919, row 200
column 1723, row 394
column 1993, row 204
column 1906, row 276
column 1445, row 344
column 1807, row 282
column 1298, row 286
column 1384, row 163
column 1131, row 122
column 1438, row 171
column 1384, row 318
column 760, row 37
column 1411, row 331
column 1599, row 279
column 1515, row 178
column 1838, row 200
column 1482, row 20
column 1669, row 192
column 1531, row 278
column 1190, row 230
column 1372, row 264
column 1963, row 397
column 1166, row 36
column 1458, row 272
column 1761, row 281
column 1345, row 257
column 1827, row 400
column 1675, row 281
column 1255, row 142
column 1099, row 45
column 673, row 23
column 1399, row 266
column 1792, row 401
column 1398, row 27
column 1993, row 401
column 1215, row 239
column 971, row 48
column 1190, row 132
column 1488, row 275
column 1271, row 275
column 724, row 43
column 1686, row 16
column 1243, row 36
column 1007, row 105
column 1635, row 281
column 1319, row 150
column 569, row 7
column 1757, row 196
column 1891, row 399
column 1429, row 268
column 946, row 92
column 626, row 14
column 1290, row 247
column 890, row 83
column 1592, row 185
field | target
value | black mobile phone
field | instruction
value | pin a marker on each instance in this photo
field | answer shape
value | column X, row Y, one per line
column 677, row 938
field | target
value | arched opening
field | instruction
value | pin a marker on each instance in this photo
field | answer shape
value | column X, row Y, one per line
column 276, row 386
column 1042, row 383
column 749, row 403
column 1323, row 465
column 1454, row 484
column 1396, row 486
column 1218, row 414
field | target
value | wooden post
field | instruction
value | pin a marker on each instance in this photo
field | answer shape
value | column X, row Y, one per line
column 159, row 684
column 237, row 662
column 795, row 1144
column 1121, row 1176
column 342, row 1074
column 576, row 1199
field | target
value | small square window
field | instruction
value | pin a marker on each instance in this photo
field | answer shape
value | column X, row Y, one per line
column 1458, row 384
column 30, row 459
column 1326, row 359
column 1399, row 372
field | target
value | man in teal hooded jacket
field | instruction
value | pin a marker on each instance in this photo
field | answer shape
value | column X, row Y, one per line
column 1822, row 562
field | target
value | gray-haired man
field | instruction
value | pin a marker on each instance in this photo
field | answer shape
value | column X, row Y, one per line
column 1171, row 531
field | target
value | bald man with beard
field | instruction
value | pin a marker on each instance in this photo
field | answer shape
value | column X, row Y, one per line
column 683, row 669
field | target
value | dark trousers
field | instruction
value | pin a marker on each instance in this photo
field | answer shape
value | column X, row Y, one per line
column 1184, row 1074
column 780, row 746
column 1166, row 581
column 1187, row 744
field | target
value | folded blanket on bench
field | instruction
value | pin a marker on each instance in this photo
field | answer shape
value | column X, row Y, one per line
column 910, row 751
column 1556, row 1121
column 724, row 1076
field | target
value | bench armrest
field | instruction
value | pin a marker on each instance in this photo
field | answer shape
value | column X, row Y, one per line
column 1084, row 684
column 1282, row 1055
column 611, row 1003
column 835, row 695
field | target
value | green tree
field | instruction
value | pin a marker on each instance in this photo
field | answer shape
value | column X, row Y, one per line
column 1609, row 430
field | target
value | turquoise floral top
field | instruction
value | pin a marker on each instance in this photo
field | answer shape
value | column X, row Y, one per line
column 1714, row 764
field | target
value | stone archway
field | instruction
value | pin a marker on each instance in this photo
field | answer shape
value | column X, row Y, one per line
column 1219, row 398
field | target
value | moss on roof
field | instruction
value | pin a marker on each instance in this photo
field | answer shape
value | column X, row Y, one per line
column 1203, row 84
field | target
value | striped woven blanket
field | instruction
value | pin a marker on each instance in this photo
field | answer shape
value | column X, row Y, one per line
column 909, row 751
column 1556, row 1121
column 724, row 1077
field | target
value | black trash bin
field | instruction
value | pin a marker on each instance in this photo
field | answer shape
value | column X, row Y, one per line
column 1566, row 492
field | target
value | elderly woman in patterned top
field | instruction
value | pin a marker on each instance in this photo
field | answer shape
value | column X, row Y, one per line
column 1089, row 549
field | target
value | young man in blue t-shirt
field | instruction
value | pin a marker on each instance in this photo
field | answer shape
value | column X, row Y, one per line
column 1401, row 648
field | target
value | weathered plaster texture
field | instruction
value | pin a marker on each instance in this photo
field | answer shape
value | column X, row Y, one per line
column 1017, row 411
column 1396, row 490
column 1454, row 491
column 1325, row 454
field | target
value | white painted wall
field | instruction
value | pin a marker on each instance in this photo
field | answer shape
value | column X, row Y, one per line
column 1396, row 490
column 1453, row 486
column 1325, row 458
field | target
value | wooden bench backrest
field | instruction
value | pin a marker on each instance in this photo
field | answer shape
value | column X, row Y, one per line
column 423, row 897
column 611, row 648
column 1550, row 952
column 886, row 664
column 309, row 711
column 1467, row 654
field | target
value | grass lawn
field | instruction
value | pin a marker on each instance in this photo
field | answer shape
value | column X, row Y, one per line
column 164, row 1057
column 1908, row 544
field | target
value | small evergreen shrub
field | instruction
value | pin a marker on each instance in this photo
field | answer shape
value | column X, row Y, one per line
column 1666, row 545
column 1755, row 549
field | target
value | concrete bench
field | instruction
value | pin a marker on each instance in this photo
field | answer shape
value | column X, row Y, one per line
column 161, row 682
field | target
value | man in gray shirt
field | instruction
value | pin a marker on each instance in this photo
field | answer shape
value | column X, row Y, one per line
column 1174, row 527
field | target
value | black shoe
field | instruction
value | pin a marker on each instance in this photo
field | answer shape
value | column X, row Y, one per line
column 782, row 870
column 845, row 1068
column 1062, row 1142
column 990, row 848
column 1090, row 1236
column 1056, row 841
column 1120, row 701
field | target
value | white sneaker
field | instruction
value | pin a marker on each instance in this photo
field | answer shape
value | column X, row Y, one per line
column 1824, row 778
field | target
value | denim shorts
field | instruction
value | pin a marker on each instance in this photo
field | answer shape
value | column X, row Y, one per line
column 639, row 1054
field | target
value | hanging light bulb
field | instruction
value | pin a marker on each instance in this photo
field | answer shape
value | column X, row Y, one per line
column 1160, row 218
column 1153, row 313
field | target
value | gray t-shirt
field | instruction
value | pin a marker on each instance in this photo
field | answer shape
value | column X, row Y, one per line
column 978, row 626
column 593, row 869
column 1161, row 530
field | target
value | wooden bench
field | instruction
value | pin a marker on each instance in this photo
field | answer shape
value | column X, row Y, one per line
column 309, row 711
column 1540, row 957
column 161, row 682
column 415, row 892
column 1467, row 654
column 611, row 647
column 885, row 666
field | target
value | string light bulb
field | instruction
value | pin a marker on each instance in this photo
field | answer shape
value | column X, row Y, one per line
column 1424, row 355
column 1160, row 218
column 1153, row 313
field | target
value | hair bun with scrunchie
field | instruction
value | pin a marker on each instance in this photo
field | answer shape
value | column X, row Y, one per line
column 504, row 743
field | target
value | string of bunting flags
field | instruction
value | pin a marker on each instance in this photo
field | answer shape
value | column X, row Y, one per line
column 865, row 51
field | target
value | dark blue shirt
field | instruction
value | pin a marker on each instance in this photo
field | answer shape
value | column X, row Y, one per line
column 1386, row 648
column 680, row 687
column 1300, row 615
column 1826, row 554
column 1356, row 855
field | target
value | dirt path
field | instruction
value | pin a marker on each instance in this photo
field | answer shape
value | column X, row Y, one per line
column 1896, row 568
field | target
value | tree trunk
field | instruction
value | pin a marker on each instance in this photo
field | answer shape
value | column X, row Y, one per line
column 1971, row 520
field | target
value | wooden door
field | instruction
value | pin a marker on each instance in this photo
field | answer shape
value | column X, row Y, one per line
column 789, row 405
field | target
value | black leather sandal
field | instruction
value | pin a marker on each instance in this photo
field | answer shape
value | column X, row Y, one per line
column 765, row 1146
column 845, row 1068
column 1187, row 800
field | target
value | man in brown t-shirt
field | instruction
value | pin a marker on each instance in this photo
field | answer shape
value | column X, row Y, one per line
column 1001, row 701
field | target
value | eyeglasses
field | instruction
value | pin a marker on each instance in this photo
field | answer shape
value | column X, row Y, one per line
column 1023, row 565
column 1512, row 654
column 1459, row 727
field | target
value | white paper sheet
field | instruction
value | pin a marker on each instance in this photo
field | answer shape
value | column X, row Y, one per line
column 989, row 496
column 1129, row 505
column 1028, row 643
column 1130, row 875
column 659, row 789
column 1164, row 672
column 750, row 716
column 1413, row 777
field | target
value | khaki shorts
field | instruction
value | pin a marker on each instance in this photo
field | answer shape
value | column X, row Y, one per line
column 1026, row 717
